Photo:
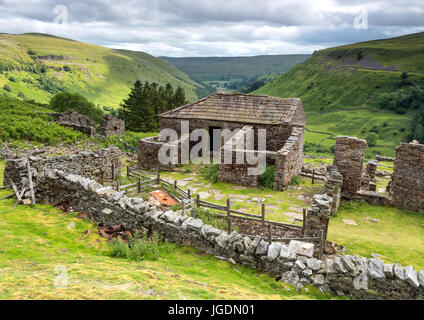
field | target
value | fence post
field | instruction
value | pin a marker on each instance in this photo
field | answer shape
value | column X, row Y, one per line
column 139, row 185
column 189, row 193
column 183, row 206
column 313, row 176
column 304, row 221
column 321, row 247
column 263, row 215
column 229, row 215
column 113, row 171
column 128, row 171
column 198, row 200
column 269, row 233
column 118, row 186
column 175, row 184
column 158, row 178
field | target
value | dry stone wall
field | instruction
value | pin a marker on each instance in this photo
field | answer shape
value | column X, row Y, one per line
column 407, row 186
column 343, row 275
column 94, row 164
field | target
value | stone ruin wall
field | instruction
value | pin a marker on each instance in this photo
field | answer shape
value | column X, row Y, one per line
column 112, row 126
column 76, row 121
column 93, row 164
column 407, row 186
column 348, row 160
column 344, row 275
column 289, row 159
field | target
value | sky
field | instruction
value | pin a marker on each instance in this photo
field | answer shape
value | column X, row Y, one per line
column 196, row 28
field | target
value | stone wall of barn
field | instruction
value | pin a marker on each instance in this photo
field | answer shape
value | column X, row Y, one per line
column 148, row 154
column 289, row 159
column 407, row 186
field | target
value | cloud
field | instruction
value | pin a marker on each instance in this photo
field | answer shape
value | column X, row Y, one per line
column 215, row 27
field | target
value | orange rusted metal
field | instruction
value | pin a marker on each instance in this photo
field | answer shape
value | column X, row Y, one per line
column 163, row 197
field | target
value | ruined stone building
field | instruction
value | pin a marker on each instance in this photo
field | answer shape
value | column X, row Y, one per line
column 74, row 120
column 112, row 126
column 406, row 189
column 282, row 118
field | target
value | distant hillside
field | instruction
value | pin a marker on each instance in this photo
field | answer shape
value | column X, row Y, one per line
column 219, row 71
column 354, row 79
column 36, row 66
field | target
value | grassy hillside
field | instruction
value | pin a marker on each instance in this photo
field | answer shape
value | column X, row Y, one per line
column 352, row 80
column 218, row 71
column 36, row 66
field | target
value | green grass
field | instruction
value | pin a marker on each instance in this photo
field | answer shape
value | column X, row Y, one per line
column 104, row 76
column 35, row 240
column 331, row 81
column 398, row 236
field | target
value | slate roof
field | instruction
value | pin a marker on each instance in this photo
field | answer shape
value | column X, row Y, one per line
column 259, row 109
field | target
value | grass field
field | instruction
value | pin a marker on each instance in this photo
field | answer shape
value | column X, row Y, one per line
column 35, row 242
column 104, row 76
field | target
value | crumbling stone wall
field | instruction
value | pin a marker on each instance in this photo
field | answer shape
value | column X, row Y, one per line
column 368, row 180
column 112, row 126
column 318, row 215
column 333, row 188
column 76, row 121
column 349, row 160
column 346, row 275
column 407, row 186
column 289, row 159
column 93, row 164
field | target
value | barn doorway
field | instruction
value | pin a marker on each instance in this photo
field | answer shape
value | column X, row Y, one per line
column 214, row 138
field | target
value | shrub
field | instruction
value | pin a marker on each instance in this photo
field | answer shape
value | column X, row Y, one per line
column 210, row 172
column 138, row 248
column 210, row 219
column 65, row 100
column 267, row 178
column 67, row 68
column 296, row 180
column 372, row 139
column 7, row 88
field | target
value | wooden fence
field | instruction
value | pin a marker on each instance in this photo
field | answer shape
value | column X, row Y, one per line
column 187, row 202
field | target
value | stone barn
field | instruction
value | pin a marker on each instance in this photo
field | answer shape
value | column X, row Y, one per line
column 112, row 126
column 282, row 118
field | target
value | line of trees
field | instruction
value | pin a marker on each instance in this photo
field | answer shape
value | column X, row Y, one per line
column 146, row 101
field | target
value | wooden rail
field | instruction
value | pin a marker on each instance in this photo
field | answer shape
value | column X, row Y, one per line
column 188, row 202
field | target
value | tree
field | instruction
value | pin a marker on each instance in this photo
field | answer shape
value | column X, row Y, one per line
column 179, row 97
column 372, row 139
column 64, row 101
column 145, row 102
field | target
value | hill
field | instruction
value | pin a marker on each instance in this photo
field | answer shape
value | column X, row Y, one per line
column 216, row 71
column 342, row 88
column 36, row 66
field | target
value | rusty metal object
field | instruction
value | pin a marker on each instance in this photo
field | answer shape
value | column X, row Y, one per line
column 163, row 197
